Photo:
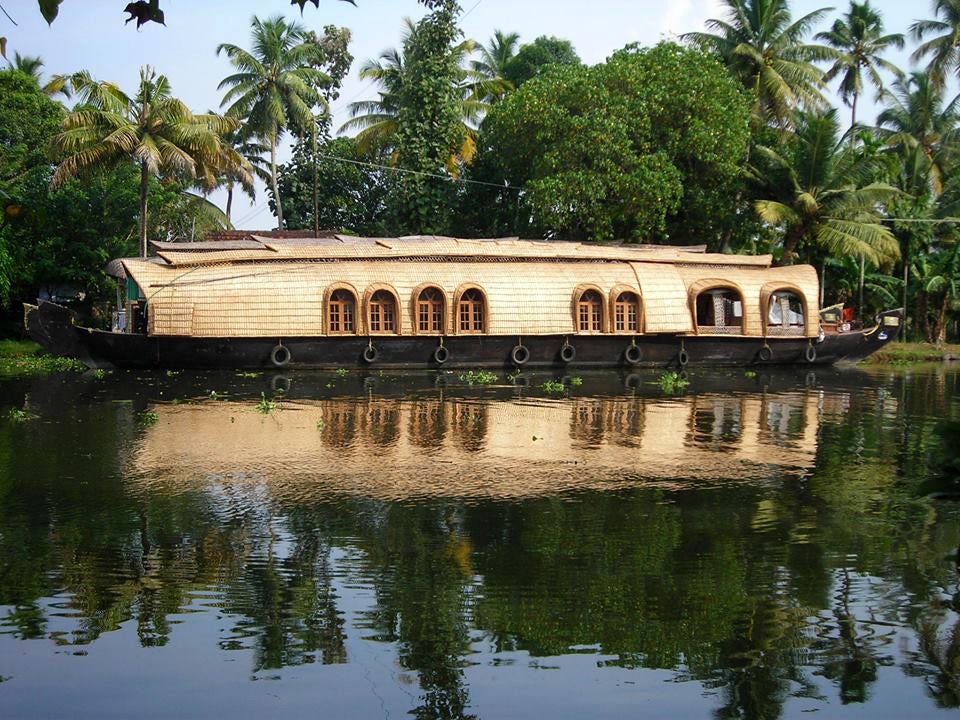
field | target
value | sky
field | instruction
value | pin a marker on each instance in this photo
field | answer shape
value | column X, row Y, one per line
column 91, row 35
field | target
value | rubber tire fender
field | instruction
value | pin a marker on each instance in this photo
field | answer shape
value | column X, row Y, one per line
column 810, row 354
column 633, row 355
column 519, row 355
column 441, row 355
column 280, row 355
column 766, row 353
column 568, row 353
column 370, row 354
column 683, row 357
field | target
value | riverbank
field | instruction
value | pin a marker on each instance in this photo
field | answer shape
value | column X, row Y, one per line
column 911, row 353
column 21, row 358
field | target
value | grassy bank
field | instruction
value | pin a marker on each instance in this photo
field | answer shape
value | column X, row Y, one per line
column 909, row 353
column 22, row 358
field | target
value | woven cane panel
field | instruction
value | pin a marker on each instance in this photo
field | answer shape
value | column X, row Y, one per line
column 523, row 298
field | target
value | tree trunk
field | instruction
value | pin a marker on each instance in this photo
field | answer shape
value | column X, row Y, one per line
column 790, row 241
column 144, row 186
column 863, row 270
column 229, row 203
column 940, row 331
column 906, row 280
column 853, row 117
column 273, row 178
column 316, row 213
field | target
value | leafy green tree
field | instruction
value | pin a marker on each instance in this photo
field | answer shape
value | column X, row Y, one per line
column 151, row 129
column 624, row 149
column 430, row 127
column 944, row 47
column 859, row 38
column 28, row 119
column 351, row 197
column 764, row 48
column 532, row 58
column 815, row 192
column 275, row 86
column 377, row 121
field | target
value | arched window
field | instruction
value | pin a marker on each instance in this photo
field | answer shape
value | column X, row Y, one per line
column 720, row 310
column 383, row 312
column 626, row 313
column 590, row 312
column 430, row 311
column 342, row 313
column 785, row 313
column 470, row 312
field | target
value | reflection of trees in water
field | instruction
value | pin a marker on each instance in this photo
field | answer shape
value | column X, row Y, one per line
column 422, row 581
column 756, row 589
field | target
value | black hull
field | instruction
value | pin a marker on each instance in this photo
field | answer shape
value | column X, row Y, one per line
column 52, row 327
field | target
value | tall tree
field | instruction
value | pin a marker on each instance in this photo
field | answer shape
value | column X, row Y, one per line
column 859, row 38
column 275, row 86
column 152, row 129
column 429, row 123
column 763, row 46
column 815, row 191
column 921, row 127
column 492, row 64
column 377, row 121
column 944, row 47
column 532, row 58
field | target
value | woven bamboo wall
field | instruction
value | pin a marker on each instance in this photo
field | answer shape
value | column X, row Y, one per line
column 523, row 298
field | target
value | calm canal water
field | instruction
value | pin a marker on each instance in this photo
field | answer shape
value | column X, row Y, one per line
column 760, row 546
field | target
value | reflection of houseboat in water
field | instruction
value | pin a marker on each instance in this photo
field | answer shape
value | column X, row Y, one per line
column 398, row 449
column 441, row 302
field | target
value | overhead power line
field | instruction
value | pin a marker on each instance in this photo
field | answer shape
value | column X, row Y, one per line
column 445, row 178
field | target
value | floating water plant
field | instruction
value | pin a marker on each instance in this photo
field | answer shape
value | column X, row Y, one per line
column 342, row 372
column 478, row 377
column 266, row 406
column 576, row 381
column 553, row 387
column 148, row 418
column 672, row 382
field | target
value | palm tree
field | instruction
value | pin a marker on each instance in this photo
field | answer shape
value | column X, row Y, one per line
column 489, row 69
column 376, row 120
column 921, row 128
column 860, row 40
column 31, row 66
column 817, row 194
column 225, row 174
column 152, row 129
column 945, row 46
column 763, row 47
column 275, row 86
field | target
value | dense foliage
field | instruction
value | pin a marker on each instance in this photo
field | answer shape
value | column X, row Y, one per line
column 625, row 149
column 429, row 130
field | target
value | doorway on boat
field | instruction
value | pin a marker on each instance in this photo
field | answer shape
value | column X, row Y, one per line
column 720, row 310
column 785, row 314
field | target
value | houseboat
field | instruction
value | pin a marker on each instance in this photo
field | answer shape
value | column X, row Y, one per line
column 261, row 302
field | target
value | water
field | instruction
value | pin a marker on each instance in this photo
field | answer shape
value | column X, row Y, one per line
column 759, row 547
